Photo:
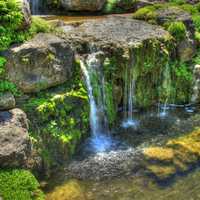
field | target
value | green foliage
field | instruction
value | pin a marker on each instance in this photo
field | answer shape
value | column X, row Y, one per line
column 179, row 2
column 6, row 86
column 10, row 22
column 177, row 30
column 189, row 8
column 39, row 25
column 19, row 184
column 2, row 64
column 147, row 13
column 196, row 21
column 59, row 119
column 112, row 6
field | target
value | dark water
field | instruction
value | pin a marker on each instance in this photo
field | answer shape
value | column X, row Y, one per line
column 95, row 174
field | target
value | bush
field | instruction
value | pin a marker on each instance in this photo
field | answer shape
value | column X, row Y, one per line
column 177, row 30
column 19, row 185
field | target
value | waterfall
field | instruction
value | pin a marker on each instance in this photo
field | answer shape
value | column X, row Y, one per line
column 94, row 119
column 91, row 68
column 35, row 7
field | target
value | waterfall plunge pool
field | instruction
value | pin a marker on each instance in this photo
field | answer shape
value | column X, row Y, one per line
column 107, row 175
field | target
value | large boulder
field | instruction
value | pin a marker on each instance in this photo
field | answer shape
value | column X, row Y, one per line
column 15, row 145
column 40, row 63
column 83, row 5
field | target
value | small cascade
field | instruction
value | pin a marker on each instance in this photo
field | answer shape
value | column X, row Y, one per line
column 166, row 90
column 35, row 4
column 91, row 68
column 129, row 99
column 94, row 119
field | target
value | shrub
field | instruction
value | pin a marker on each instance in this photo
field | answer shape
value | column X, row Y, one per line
column 177, row 30
column 19, row 184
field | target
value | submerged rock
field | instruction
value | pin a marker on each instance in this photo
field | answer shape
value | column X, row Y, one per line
column 83, row 5
column 178, row 155
column 40, row 63
column 105, row 165
column 15, row 146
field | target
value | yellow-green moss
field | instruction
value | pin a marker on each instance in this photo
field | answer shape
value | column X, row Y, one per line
column 159, row 154
column 177, row 155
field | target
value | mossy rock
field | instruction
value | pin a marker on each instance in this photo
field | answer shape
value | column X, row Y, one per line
column 161, row 172
column 70, row 191
column 159, row 154
column 177, row 155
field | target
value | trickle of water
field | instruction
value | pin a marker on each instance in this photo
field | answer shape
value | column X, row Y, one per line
column 129, row 98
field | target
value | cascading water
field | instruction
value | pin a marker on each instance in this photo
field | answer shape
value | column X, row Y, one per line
column 94, row 119
column 100, row 140
column 35, row 7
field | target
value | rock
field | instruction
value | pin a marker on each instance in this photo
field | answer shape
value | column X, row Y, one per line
column 196, row 87
column 26, row 11
column 186, row 49
column 7, row 101
column 72, row 190
column 83, row 5
column 40, row 63
column 15, row 146
column 114, row 31
column 106, row 165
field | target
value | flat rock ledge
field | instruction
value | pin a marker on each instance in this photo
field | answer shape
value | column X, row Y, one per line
column 118, row 31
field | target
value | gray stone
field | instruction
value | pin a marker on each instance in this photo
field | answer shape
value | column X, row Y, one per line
column 7, row 101
column 40, row 63
column 15, row 145
column 83, row 5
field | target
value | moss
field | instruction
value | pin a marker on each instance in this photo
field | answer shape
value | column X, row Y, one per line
column 159, row 153
column 177, row 30
column 59, row 121
column 71, row 190
column 114, row 6
column 179, row 154
column 147, row 13
column 149, row 62
column 19, row 184
column 161, row 172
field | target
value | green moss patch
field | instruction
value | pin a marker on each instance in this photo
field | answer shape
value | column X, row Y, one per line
column 177, row 155
column 19, row 184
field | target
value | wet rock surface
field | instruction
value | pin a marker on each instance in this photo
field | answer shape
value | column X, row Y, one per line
column 15, row 146
column 40, row 63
